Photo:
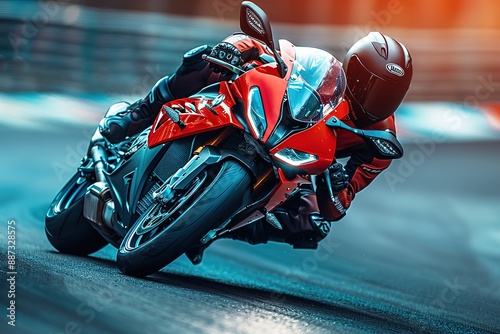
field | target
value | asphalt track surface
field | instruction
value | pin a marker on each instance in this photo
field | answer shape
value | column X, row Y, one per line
column 419, row 252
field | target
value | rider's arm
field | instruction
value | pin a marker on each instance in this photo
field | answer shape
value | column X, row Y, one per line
column 196, row 74
column 362, row 169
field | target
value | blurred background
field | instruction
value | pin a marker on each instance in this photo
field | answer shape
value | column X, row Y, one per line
column 98, row 52
column 122, row 47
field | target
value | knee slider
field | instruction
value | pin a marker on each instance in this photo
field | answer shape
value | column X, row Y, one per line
column 320, row 225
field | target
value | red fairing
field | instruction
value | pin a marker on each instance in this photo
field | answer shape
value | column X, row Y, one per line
column 197, row 121
column 319, row 140
column 266, row 77
column 270, row 85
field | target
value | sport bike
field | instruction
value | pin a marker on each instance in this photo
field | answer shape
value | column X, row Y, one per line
column 212, row 162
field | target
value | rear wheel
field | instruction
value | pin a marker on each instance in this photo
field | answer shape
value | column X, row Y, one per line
column 66, row 228
column 165, row 231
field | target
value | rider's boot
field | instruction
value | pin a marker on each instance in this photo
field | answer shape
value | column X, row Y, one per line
column 301, row 226
column 138, row 115
column 253, row 233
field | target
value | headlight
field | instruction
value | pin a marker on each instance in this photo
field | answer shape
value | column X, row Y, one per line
column 295, row 157
column 256, row 113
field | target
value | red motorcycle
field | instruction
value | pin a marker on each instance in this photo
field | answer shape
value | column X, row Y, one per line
column 213, row 162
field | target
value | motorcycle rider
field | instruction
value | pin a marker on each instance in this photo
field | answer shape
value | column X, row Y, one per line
column 378, row 71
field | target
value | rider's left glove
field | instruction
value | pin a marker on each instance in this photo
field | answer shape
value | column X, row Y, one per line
column 226, row 52
column 339, row 178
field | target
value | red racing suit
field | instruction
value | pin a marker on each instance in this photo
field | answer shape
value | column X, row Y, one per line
column 361, row 167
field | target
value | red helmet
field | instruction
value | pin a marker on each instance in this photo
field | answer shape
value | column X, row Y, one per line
column 378, row 71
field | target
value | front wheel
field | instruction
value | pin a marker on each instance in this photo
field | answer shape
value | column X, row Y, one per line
column 66, row 227
column 165, row 232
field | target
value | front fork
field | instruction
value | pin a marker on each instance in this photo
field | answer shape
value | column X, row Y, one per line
column 209, row 155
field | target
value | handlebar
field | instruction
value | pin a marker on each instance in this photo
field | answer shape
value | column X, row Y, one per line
column 219, row 62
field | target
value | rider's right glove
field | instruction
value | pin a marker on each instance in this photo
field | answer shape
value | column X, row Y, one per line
column 226, row 52
column 339, row 179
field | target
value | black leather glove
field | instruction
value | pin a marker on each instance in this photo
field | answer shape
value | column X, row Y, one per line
column 338, row 177
column 249, row 66
column 228, row 53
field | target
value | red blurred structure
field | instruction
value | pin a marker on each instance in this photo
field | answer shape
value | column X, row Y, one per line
column 431, row 14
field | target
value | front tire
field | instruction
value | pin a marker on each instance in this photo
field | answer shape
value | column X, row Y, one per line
column 161, row 235
column 66, row 228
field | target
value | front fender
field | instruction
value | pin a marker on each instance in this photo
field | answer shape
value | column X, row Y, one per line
column 209, row 155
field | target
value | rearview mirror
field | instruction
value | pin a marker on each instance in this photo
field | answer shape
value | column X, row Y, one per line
column 254, row 23
column 382, row 144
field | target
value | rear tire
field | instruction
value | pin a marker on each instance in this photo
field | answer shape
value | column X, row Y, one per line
column 66, row 228
column 150, row 246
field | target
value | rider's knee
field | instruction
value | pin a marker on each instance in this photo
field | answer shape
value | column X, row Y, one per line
column 311, row 235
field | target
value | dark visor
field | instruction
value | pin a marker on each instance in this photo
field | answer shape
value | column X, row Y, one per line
column 375, row 95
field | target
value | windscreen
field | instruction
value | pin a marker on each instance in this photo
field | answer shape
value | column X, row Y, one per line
column 316, row 85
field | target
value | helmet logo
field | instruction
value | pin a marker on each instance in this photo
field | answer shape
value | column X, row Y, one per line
column 395, row 69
